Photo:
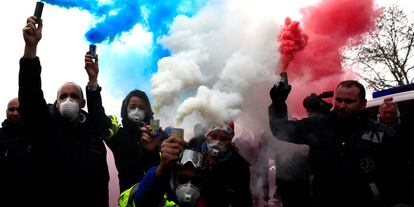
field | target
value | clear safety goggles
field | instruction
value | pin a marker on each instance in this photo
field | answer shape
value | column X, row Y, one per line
column 191, row 156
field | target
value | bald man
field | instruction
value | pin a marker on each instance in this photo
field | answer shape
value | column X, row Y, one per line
column 15, row 157
column 68, row 148
column 12, row 111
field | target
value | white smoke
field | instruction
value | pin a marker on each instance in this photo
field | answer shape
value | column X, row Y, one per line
column 223, row 59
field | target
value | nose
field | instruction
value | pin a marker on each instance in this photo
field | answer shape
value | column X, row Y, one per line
column 15, row 113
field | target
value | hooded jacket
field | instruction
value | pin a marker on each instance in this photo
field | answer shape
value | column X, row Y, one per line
column 131, row 159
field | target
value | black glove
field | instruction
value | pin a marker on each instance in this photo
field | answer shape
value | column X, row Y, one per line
column 279, row 93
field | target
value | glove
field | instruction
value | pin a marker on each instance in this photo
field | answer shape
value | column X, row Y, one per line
column 279, row 93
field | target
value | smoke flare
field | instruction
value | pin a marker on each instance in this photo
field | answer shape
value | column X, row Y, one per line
column 329, row 25
column 292, row 40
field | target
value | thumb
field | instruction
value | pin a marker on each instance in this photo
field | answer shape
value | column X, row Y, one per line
column 40, row 25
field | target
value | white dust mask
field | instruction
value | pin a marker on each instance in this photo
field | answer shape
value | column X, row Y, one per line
column 136, row 115
column 69, row 109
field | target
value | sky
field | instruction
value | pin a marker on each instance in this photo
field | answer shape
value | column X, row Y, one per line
column 198, row 60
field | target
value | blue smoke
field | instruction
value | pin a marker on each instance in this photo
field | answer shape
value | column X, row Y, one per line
column 120, row 16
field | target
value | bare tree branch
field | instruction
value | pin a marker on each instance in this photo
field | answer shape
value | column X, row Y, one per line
column 385, row 57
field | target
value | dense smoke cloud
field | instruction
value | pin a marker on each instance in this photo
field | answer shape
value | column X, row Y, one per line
column 292, row 40
column 220, row 58
column 329, row 25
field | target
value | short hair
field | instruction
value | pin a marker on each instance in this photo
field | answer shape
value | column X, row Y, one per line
column 389, row 104
column 74, row 84
column 351, row 83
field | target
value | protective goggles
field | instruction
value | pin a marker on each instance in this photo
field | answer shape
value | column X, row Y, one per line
column 191, row 156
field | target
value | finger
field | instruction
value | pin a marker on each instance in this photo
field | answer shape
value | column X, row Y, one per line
column 88, row 60
column 174, row 146
column 145, row 139
column 169, row 159
column 146, row 134
column 31, row 26
column 171, row 152
column 31, row 19
column 178, row 140
column 27, row 30
column 144, row 129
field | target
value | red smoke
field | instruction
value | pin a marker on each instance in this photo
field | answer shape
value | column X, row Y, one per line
column 292, row 40
column 329, row 25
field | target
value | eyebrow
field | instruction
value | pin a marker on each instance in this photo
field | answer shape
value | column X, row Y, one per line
column 345, row 99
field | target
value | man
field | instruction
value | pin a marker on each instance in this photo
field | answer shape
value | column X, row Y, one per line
column 229, row 176
column 353, row 159
column 389, row 114
column 68, row 151
column 15, row 158
column 178, row 179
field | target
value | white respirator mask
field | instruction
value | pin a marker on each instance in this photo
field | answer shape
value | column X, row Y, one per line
column 69, row 109
column 136, row 115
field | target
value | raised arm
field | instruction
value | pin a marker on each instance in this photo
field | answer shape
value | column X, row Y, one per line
column 156, row 182
column 33, row 108
column 281, row 127
column 93, row 94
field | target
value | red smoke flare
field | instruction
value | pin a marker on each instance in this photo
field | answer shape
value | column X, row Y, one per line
column 292, row 40
column 330, row 24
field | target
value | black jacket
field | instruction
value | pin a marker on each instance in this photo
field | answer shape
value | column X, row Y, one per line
column 131, row 159
column 69, row 157
column 351, row 161
column 228, row 182
column 16, row 165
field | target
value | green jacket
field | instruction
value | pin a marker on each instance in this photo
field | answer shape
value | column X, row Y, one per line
column 126, row 199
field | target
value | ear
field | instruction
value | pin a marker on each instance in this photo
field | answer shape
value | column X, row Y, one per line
column 82, row 103
column 56, row 104
column 364, row 104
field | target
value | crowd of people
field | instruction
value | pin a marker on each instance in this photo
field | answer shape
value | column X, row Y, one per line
column 55, row 155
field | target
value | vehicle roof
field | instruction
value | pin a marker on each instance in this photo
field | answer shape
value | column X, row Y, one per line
column 397, row 97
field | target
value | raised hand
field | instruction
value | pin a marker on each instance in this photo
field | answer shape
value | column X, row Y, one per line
column 150, row 143
column 171, row 149
column 279, row 93
column 92, row 67
column 32, row 36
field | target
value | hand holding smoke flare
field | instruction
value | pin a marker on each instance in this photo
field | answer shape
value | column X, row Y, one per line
column 330, row 24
